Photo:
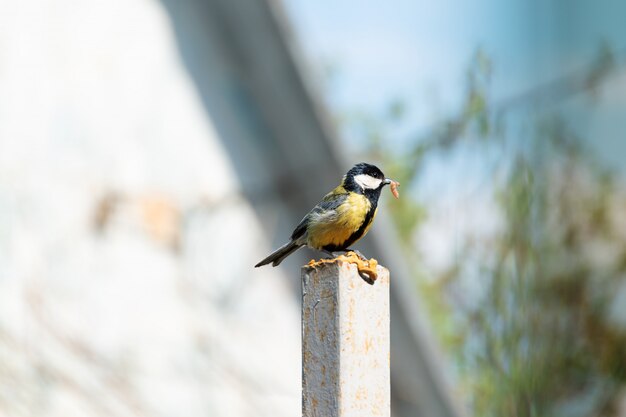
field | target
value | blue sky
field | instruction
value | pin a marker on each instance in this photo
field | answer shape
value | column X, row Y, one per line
column 420, row 49
column 387, row 49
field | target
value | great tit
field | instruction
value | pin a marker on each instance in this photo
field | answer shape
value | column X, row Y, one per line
column 342, row 217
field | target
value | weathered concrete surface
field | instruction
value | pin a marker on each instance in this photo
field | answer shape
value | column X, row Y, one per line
column 345, row 342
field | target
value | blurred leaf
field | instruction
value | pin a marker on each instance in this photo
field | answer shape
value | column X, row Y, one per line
column 396, row 110
column 539, row 339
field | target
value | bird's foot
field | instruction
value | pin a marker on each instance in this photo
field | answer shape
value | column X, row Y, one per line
column 367, row 268
column 357, row 253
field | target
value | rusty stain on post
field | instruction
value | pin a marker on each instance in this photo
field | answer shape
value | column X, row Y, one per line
column 345, row 342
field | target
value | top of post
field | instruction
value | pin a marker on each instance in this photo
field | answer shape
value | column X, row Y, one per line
column 369, row 270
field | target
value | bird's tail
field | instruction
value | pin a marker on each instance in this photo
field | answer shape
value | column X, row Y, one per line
column 279, row 254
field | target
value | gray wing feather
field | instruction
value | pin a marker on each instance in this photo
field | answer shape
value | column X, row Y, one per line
column 326, row 207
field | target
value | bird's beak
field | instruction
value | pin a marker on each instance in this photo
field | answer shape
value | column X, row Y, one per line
column 387, row 181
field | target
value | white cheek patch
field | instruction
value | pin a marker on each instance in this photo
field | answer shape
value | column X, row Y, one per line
column 367, row 181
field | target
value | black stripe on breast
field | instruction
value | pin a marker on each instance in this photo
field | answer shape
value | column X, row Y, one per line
column 369, row 217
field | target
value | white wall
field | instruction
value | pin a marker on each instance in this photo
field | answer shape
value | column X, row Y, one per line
column 126, row 285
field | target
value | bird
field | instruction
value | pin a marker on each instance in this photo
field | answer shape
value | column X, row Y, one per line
column 343, row 216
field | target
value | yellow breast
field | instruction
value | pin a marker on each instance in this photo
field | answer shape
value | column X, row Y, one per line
column 337, row 229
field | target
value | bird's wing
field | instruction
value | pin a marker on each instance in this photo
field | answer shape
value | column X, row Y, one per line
column 326, row 207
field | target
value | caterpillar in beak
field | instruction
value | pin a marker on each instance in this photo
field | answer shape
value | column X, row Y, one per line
column 394, row 188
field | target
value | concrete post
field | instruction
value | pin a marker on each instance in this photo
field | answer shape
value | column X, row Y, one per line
column 345, row 342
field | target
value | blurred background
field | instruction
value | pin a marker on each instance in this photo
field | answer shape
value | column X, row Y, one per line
column 151, row 152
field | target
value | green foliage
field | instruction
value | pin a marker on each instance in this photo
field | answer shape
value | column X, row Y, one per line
column 541, row 340
column 543, row 330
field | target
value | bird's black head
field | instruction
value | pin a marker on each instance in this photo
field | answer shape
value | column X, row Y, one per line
column 366, row 179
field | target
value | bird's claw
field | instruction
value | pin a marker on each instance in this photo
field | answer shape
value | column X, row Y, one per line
column 367, row 268
column 357, row 253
